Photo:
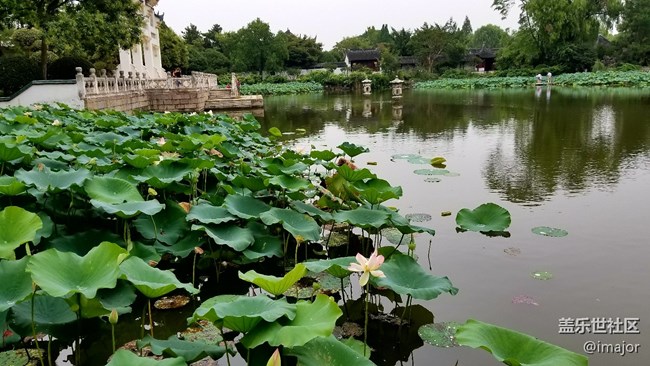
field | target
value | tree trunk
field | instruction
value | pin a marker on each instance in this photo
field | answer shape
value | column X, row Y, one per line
column 44, row 55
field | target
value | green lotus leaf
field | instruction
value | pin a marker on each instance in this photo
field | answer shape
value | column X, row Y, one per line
column 265, row 245
column 245, row 207
column 139, row 161
column 431, row 172
column 12, row 153
column 363, row 217
column 17, row 227
column 82, row 242
column 275, row 285
column 311, row 210
column 163, row 174
column 16, row 283
column 514, row 348
column 208, row 214
column 124, row 357
column 394, row 236
column 129, row 209
column 312, row 320
column 166, row 226
column 377, row 190
column 290, row 183
column 189, row 351
column 406, row 277
column 354, row 175
column 46, row 230
column 438, row 162
column 336, row 267
column 62, row 274
column 254, row 183
column 352, row 150
column 112, row 190
column 51, row 315
column 549, row 231
column 328, row 351
column 301, row 226
column 183, row 247
column 151, row 282
column 439, row 334
column 10, row 186
column 418, row 160
column 404, row 156
column 275, row 132
column 486, row 217
column 107, row 138
column 242, row 313
column 47, row 179
column 20, row 357
column 356, row 345
column 236, row 237
column 325, row 155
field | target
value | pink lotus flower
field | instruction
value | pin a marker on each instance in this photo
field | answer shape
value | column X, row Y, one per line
column 369, row 266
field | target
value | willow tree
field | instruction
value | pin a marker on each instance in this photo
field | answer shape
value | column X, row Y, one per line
column 554, row 26
column 104, row 24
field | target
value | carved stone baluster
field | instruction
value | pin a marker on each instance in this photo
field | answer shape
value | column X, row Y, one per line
column 81, row 83
column 93, row 79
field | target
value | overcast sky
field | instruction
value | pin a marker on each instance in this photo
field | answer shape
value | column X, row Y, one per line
column 328, row 20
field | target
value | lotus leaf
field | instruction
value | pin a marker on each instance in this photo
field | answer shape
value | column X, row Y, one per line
column 275, row 132
column 17, row 227
column 549, row 231
column 130, row 209
column 51, row 315
column 431, row 172
column 151, row 282
column 329, row 351
column 10, row 186
column 17, row 283
column 19, row 357
column 236, row 237
column 352, row 150
column 542, row 275
column 245, row 207
column 167, row 226
column 439, row 334
column 336, row 267
column 253, row 183
column 514, row 348
column 419, row 160
column 406, row 277
column 354, row 175
column 418, row 217
column 12, row 153
column 290, row 183
column 62, row 274
column 112, row 190
column 242, row 313
column 163, row 174
column 356, row 345
column 311, row 210
column 183, row 247
column 486, row 217
column 275, row 285
column 325, row 155
column 189, row 351
column 301, row 226
column 404, row 156
column 208, row 214
column 363, row 217
column 47, row 179
column 312, row 320
column 377, row 190
column 124, row 357
column 265, row 245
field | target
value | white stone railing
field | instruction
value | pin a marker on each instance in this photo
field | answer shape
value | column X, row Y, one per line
column 104, row 85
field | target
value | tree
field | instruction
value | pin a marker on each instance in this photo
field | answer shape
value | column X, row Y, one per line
column 173, row 49
column 439, row 45
column 401, row 42
column 303, row 51
column 634, row 37
column 466, row 29
column 211, row 37
column 107, row 23
column 351, row 43
column 489, row 36
column 256, row 48
column 192, row 35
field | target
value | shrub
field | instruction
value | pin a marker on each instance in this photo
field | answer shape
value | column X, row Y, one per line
column 598, row 66
column 64, row 67
column 628, row 67
column 16, row 72
column 457, row 74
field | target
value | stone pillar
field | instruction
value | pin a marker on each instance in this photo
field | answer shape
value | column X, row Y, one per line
column 396, row 87
column 137, row 57
column 234, row 85
column 81, row 83
column 367, row 89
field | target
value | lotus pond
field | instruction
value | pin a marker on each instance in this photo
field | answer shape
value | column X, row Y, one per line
column 249, row 232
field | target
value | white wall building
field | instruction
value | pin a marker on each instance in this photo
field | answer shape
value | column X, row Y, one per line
column 145, row 56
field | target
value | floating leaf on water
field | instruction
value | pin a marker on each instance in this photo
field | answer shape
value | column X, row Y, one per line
column 438, row 162
column 274, row 131
column 171, row 302
column 394, row 236
column 404, row 156
column 451, row 174
column 445, row 213
column 440, row 334
column 372, row 163
column 433, row 180
column 542, row 275
column 418, row 160
column 431, row 172
column 484, row 218
column 19, row 357
column 301, row 130
column 418, row 217
column 524, row 299
column 512, row 251
column 348, row 329
column 549, row 231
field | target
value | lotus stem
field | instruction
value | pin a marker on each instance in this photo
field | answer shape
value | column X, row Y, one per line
column 77, row 353
column 365, row 323
column 345, row 305
column 429, row 256
column 194, row 269
column 49, row 351
column 155, row 229
column 113, row 336
column 150, row 318
column 225, row 345
column 38, row 348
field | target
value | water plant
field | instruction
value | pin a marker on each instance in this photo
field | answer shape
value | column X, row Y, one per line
column 103, row 212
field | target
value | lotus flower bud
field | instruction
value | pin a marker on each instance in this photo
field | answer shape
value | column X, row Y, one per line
column 113, row 317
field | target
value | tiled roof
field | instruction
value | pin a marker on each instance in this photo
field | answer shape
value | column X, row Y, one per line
column 363, row 55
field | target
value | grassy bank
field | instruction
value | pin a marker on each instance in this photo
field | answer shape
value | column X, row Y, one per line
column 294, row 87
column 605, row 78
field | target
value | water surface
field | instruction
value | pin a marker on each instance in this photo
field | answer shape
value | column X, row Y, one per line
column 576, row 159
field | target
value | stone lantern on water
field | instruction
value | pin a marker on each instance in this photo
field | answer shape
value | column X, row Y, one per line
column 396, row 87
column 367, row 89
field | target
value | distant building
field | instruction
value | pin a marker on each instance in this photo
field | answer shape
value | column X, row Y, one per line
column 370, row 58
column 145, row 57
column 408, row 62
column 483, row 58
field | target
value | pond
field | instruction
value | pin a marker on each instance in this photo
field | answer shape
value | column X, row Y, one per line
column 574, row 159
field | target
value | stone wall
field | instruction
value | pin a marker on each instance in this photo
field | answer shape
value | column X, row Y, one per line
column 123, row 102
column 154, row 100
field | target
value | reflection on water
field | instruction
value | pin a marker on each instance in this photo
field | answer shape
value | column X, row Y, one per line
column 548, row 139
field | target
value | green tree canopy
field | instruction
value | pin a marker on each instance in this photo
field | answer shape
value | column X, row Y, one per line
column 634, row 38
column 173, row 49
column 489, row 36
column 303, row 51
column 256, row 48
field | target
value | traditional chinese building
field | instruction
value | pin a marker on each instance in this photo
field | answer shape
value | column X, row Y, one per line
column 145, row 57
column 369, row 58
